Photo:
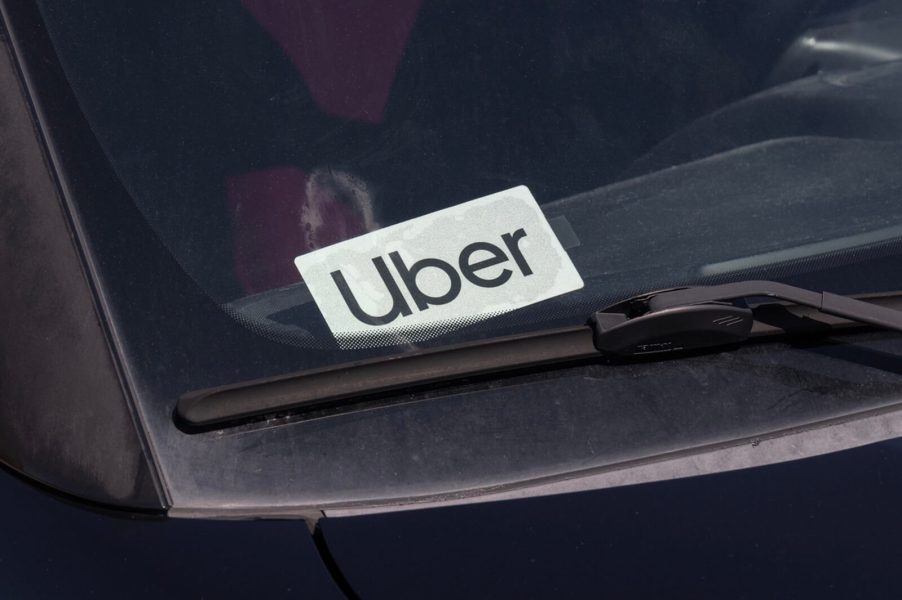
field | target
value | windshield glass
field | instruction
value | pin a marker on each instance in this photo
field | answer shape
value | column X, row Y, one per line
column 664, row 142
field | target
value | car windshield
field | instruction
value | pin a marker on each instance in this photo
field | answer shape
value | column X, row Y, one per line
column 652, row 143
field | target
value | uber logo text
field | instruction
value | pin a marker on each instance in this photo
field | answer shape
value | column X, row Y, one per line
column 468, row 267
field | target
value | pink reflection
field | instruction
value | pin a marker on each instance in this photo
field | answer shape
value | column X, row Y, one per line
column 281, row 212
column 346, row 50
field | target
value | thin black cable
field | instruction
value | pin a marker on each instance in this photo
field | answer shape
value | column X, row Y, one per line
column 319, row 540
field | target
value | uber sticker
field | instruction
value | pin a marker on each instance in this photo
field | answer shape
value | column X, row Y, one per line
column 427, row 276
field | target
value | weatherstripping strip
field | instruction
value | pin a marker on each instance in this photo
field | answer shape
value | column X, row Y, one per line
column 804, row 251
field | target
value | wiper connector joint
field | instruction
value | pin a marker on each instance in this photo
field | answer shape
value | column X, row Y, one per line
column 694, row 318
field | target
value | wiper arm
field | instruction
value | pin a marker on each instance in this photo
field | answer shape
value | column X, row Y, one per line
column 659, row 322
column 700, row 317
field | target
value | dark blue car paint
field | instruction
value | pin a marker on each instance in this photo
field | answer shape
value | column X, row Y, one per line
column 53, row 549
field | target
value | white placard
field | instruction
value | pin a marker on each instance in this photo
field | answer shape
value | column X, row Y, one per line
column 432, row 274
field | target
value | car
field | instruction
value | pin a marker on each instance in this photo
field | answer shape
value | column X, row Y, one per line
column 406, row 299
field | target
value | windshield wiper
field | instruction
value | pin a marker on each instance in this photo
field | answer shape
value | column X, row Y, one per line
column 657, row 323
column 700, row 317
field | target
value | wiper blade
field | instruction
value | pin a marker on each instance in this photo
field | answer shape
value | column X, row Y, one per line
column 700, row 317
column 657, row 323
column 317, row 387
